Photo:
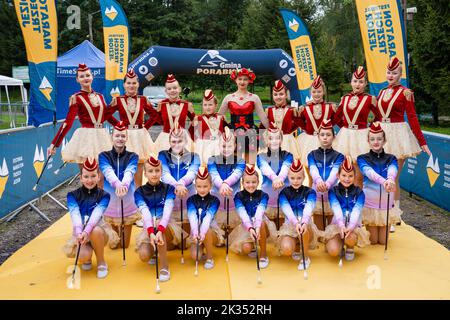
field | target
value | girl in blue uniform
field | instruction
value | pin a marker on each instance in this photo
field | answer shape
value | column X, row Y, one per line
column 274, row 165
column 86, row 207
column 226, row 170
column 251, row 204
column 323, row 164
column 297, row 203
column 179, row 168
column 380, row 170
column 204, row 228
column 119, row 167
column 155, row 199
column 347, row 201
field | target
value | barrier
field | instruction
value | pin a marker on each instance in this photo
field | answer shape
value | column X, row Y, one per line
column 429, row 177
column 22, row 157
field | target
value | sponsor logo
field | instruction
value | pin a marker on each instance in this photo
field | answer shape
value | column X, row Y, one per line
column 111, row 13
column 293, row 25
column 4, row 174
column 153, row 61
column 115, row 92
column 433, row 170
column 38, row 160
column 46, row 88
column 212, row 63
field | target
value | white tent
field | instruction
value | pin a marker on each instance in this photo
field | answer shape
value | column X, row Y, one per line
column 11, row 82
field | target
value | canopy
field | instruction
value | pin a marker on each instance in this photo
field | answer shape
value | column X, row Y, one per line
column 11, row 82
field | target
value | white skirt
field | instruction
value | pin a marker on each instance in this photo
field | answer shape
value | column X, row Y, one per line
column 140, row 142
column 162, row 142
column 377, row 217
column 221, row 218
column 307, row 143
column 290, row 144
column 400, row 141
column 86, row 142
column 352, row 142
column 173, row 227
column 206, row 149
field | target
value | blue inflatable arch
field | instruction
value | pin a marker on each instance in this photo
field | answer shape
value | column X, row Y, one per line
column 158, row 60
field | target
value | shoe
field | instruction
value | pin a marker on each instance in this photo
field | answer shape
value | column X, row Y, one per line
column 392, row 229
column 86, row 266
column 203, row 257
column 102, row 271
column 139, row 223
column 164, row 275
column 152, row 261
column 209, row 264
column 349, row 254
column 307, row 263
column 296, row 256
column 263, row 262
column 252, row 254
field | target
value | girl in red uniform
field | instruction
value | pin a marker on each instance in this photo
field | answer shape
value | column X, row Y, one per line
column 173, row 112
column 310, row 119
column 403, row 139
column 132, row 107
column 207, row 128
column 91, row 109
column 351, row 115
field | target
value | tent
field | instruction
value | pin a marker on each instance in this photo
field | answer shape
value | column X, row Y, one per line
column 66, row 84
column 11, row 82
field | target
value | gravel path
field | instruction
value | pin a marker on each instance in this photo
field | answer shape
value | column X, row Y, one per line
column 422, row 215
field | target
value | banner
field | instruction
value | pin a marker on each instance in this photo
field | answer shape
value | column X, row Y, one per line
column 302, row 52
column 117, row 45
column 429, row 177
column 22, row 158
column 383, row 35
column 39, row 25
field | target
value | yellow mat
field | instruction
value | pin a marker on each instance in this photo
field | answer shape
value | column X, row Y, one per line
column 417, row 268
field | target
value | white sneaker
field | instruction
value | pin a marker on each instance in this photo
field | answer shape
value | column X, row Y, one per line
column 349, row 254
column 307, row 263
column 164, row 275
column 102, row 271
column 296, row 256
column 209, row 264
column 392, row 229
column 263, row 262
column 139, row 223
column 252, row 254
column 86, row 266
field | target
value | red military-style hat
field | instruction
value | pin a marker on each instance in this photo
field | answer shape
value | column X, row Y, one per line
column 90, row 164
column 154, row 162
column 393, row 64
column 359, row 73
column 202, row 173
column 326, row 124
column 278, row 86
column 347, row 165
column 131, row 74
column 250, row 169
column 177, row 132
column 296, row 166
column 243, row 72
column 273, row 128
column 375, row 127
column 208, row 95
column 170, row 78
column 82, row 67
column 120, row 126
column 317, row 83
column 227, row 135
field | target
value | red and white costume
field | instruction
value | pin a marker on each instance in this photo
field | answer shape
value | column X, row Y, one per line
column 352, row 116
column 131, row 111
column 309, row 120
column 284, row 118
column 393, row 102
column 173, row 114
column 91, row 138
column 206, row 131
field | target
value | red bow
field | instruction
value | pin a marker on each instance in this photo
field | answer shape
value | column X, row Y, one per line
column 242, row 123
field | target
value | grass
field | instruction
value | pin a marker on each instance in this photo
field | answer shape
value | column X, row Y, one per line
column 442, row 130
column 5, row 120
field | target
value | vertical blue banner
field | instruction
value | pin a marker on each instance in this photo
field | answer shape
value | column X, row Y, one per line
column 39, row 25
column 302, row 52
column 117, row 47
